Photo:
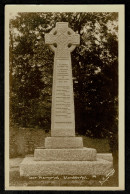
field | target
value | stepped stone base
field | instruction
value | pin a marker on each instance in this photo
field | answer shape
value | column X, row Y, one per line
column 63, row 142
column 105, row 156
column 30, row 167
column 63, row 133
column 81, row 154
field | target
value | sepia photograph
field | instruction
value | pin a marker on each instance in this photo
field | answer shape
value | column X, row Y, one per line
column 64, row 94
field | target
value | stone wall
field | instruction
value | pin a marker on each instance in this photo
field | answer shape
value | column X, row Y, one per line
column 23, row 141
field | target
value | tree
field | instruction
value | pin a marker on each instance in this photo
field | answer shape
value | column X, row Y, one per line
column 30, row 80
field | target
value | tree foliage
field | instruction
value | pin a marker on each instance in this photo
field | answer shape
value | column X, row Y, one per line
column 95, row 71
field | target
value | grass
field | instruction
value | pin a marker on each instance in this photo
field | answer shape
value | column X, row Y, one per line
column 101, row 145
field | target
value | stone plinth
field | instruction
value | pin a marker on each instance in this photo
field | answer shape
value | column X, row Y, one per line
column 30, row 167
column 63, row 142
column 81, row 154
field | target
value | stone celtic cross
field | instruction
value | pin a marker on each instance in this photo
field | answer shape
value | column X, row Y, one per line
column 62, row 40
column 63, row 153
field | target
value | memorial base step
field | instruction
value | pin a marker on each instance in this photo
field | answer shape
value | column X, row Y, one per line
column 63, row 142
column 105, row 156
column 30, row 167
column 80, row 154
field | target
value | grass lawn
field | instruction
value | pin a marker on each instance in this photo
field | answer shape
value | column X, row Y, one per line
column 101, row 145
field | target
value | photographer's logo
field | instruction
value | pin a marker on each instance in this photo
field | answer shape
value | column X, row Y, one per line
column 111, row 173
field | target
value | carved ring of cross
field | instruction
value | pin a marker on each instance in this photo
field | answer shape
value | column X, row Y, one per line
column 62, row 38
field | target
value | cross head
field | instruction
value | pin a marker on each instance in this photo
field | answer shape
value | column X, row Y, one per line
column 62, row 40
